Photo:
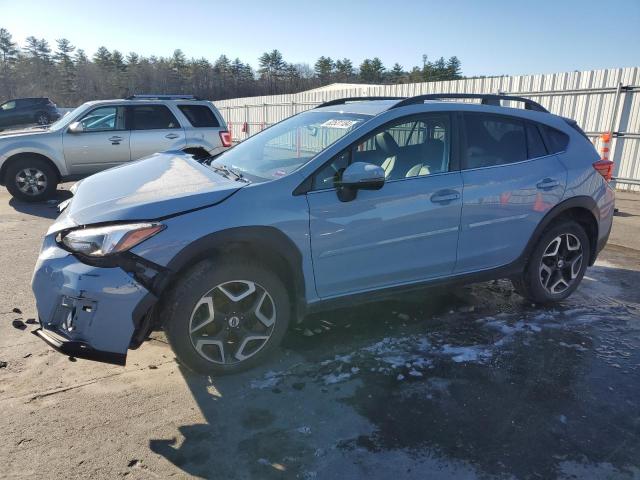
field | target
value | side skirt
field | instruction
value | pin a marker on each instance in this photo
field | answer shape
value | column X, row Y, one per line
column 506, row 271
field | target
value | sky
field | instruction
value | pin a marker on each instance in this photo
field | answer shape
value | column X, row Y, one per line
column 489, row 37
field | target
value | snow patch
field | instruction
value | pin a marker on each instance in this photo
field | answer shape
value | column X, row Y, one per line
column 473, row 353
column 332, row 378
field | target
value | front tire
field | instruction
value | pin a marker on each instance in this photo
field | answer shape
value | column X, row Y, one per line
column 31, row 179
column 226, row 318
column 556, row 265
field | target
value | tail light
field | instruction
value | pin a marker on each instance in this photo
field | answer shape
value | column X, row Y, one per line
column 604, row 168
column 225, row 138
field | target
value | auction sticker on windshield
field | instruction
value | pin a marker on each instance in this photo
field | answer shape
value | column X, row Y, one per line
column 335, row 123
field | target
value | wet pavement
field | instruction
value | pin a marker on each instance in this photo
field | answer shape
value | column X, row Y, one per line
column 476, row 383
column 472, row 382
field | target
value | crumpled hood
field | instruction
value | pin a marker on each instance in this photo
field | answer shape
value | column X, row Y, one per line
column 161, row 185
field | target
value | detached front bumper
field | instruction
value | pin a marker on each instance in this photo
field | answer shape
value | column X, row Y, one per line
column 86, row 311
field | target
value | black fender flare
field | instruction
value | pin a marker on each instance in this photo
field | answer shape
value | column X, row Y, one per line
column 584, row 202
column 261, row 241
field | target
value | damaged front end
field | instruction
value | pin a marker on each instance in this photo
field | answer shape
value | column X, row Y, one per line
column 94, row 308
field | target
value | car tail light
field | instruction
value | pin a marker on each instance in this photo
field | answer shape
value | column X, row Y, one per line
column 604, row 168
column 225, row 138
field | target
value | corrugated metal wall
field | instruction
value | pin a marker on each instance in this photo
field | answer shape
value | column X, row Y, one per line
column 593, row 98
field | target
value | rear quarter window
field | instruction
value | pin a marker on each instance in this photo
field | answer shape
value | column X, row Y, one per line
column 199, row 115
column 555, row 140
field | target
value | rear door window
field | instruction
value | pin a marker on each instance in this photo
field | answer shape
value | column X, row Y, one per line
column 152, row 117
column 493, row 140
column 199, row 115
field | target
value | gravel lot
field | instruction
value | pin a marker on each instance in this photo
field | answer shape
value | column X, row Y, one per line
column 471, row 383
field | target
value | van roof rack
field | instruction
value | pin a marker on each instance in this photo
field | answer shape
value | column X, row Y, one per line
column 486, row 99
column 162, row 97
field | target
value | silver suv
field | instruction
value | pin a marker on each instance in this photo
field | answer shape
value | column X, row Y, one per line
column 102, row 134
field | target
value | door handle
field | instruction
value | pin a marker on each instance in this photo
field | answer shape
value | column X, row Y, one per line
column 171, row 136
column 547, row 184
column 445, row 196
column 115, row 140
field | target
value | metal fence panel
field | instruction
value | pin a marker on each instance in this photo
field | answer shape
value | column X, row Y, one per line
column 590, row 97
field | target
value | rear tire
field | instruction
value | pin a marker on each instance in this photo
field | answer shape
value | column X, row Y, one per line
column 31, row 179
column 42, row 118
column 226, row 318
column 556, row 265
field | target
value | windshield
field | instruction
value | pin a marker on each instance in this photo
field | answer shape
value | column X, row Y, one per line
column 288, row 145
column 64, row 119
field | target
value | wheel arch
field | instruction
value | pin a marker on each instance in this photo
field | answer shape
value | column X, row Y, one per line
column 198, row 152
column 582, row 209
column 25, row 155
column 266, row 245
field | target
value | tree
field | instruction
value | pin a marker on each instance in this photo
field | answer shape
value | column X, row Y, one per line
column 272, row 67
column 416, row 75
column 132, row 59
column 43, row 50
column 397, row 73
column 102, row 58
column 8, row 57
column 72, row 76
column 371, row 70
column 66, row 69
column 324, row 69
column 454, row 68
column 344, row 70
column 31, row 48
column 439, row 70
column 117, row 61
column 81, row 57
column 8, row 48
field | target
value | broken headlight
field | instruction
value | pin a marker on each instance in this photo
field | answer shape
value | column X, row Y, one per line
column 109, row 240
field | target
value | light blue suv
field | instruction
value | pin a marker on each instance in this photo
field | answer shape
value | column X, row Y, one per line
column 349, row 202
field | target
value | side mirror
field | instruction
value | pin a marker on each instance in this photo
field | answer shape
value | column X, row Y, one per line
column 76, row 127
column 359, row 176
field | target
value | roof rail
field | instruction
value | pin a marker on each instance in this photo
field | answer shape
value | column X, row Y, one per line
column 487, row 99
column 341, row 101
column 162, row 97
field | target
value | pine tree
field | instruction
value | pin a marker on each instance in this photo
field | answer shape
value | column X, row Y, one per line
column 344, row 70
column 371, row 70
column 397, row 73
column 66, row 69
column 81, row 57
column 8, row 48
column 102, row 58
column 132, row 59
column 271, row 68
column 8, row 57
column 324, row 69
column 31, row 48
column 454, row 68
column 117, row 61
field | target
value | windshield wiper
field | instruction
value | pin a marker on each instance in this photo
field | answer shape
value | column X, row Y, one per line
column 229, row 172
